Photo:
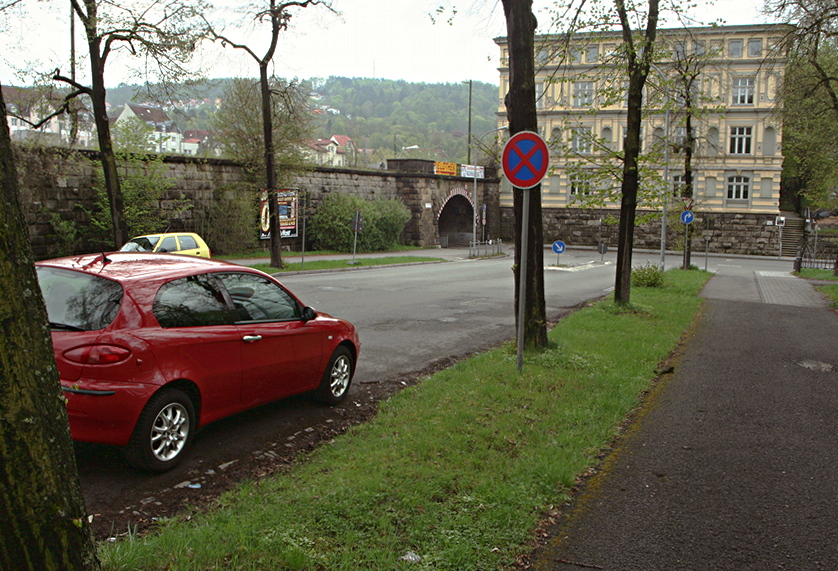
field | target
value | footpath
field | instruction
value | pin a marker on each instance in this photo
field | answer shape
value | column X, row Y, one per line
column 733, row 462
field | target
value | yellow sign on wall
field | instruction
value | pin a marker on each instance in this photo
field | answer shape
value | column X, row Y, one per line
column 445, row 168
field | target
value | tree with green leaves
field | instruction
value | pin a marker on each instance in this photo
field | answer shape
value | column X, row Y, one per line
column 809, row 99
column 278, row 16
column 45, row 526
column 162, row 35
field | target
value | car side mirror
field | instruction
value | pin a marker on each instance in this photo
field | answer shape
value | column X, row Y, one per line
column 309, row 313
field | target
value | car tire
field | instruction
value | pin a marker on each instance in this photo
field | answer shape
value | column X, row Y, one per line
column 337, row 377
column 163, row 432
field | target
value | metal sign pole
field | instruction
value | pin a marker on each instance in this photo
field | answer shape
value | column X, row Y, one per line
column 522, row 275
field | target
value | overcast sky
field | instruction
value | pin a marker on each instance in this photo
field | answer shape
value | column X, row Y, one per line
column 391, row 39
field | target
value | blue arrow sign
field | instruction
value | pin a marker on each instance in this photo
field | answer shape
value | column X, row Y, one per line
column 687, row 216
column 559, row 247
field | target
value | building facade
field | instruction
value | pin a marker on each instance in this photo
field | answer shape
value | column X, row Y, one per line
column 713, row 87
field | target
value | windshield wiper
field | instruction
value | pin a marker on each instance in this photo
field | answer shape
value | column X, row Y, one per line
column 64, row 326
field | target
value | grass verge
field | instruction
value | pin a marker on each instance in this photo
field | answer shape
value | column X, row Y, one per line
column 455, row 471
column 831, row 291
column 315, row 264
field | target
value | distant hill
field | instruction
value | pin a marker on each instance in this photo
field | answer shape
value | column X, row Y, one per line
column 382, row 115
column 387, row 115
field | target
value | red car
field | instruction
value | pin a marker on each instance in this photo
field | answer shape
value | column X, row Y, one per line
column 150, row 347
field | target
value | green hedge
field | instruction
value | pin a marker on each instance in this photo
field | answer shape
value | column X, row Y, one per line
column 383, row 223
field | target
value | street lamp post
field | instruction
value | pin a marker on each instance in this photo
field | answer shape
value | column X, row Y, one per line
column 474, row 192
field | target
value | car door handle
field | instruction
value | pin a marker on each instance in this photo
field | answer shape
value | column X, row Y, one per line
column 251, row 338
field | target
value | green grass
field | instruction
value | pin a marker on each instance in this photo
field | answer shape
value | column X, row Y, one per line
column 831, row 291
column 316, row 264
column 814, row 274
column 457, row 469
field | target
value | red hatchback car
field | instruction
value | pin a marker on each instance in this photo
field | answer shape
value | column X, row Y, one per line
column 150, row 347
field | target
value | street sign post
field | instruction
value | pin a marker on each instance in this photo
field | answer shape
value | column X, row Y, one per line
column 525, row 160
column 559, row 247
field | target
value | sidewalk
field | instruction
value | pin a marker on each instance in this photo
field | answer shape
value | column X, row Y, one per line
column 733, row 463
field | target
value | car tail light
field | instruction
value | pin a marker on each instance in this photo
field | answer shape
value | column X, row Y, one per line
column 97, row 354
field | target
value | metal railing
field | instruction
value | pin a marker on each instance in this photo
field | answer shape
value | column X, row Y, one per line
column 485, row 249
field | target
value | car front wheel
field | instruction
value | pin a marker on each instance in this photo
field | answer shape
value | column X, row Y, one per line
column 337, row 377
column 163, row 432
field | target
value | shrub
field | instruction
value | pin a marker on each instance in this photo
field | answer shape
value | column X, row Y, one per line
column 649, row 275
column 231, row 221
column 383, row 222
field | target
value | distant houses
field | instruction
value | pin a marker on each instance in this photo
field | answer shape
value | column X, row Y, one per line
column 27, row 107
column 338, row 151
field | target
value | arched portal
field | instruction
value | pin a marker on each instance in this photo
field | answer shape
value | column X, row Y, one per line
column 456, row 225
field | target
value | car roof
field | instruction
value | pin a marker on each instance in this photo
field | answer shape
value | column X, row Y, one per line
column 163, row 234
column 136, row 266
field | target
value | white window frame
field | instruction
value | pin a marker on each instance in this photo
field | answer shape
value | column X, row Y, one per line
column 738, row 187
column 741, row 140
column 581, row 142
column 735, row 49
column 755, row 47
column 577, row 186
column 743, row 90
column 583, row 93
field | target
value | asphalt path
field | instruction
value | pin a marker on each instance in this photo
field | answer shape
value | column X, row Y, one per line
column 733, row 463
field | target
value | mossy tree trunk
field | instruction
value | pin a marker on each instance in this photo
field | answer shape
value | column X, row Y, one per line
column 44, row 526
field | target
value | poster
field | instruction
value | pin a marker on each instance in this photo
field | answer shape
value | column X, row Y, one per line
column 286, row 200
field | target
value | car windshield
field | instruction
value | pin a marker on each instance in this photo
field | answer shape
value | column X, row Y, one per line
column 78, row 301
column 141, row 244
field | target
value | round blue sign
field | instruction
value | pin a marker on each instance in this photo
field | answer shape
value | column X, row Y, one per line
column 525, row 159
column 559, row 246
column 687, row 216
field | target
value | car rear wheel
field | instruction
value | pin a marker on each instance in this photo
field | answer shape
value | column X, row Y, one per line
column 163, row 432
column 337, row 377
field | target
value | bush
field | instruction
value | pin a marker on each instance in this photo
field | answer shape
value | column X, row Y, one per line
column 649, row 275
column 231, row 222
column 383, row 223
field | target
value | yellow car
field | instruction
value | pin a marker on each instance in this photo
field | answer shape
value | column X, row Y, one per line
column 172, row 242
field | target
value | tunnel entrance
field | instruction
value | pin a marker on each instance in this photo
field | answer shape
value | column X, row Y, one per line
column 455, row 222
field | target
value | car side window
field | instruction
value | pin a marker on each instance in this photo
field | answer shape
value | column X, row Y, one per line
column 187, row 243
column 191, row 302
column 169, row 244
column 259, row 299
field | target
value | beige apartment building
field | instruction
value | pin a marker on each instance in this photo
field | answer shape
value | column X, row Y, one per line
column 737, row 152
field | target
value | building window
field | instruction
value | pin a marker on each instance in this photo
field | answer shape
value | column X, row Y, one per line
column 679, row 186
column 679, row 50
column 740, row 140
column 738, row 187
column 592, row 54
column 575, row 55
column 734, row 48
column 755, row 47
column 578, row 186
column 583, row 93
column 743, row 90
column 540, row 95
column 581, row 142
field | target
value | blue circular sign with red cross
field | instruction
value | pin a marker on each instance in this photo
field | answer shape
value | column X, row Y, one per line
column 525, row 159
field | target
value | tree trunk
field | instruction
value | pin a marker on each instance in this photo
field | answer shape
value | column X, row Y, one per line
column 270, row 166
column 639, row 59
column 41, row 507
column 522, row 116
column 103, row 130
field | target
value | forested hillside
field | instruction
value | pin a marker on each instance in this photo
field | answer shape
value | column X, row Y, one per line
column 387, row 117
